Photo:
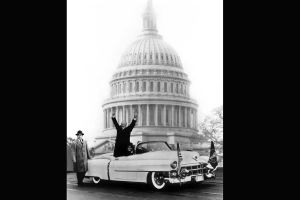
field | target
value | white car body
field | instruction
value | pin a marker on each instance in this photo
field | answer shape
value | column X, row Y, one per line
column 136, row 167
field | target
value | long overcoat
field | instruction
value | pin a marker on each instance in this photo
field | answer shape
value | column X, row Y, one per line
column 80, row 156
column 123, row 138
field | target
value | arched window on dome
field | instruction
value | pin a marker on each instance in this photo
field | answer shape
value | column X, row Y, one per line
column 150, row 57
column 151, row 86
column 144, row 86
column 119, row 88
column 137, row 86
column 181, row 90
column 130, row 86
column 158, row 86
column 171, row 87
column 165, row 87
column 144, row 59
column 176, row 90
column 124, row 87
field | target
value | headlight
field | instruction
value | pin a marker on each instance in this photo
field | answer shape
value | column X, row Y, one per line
column 173, row 164
column 173, row 174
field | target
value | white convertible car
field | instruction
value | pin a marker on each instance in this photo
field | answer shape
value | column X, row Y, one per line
column 154, row 163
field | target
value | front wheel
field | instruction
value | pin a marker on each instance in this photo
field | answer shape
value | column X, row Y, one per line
column 96, row 180
column 156, row 180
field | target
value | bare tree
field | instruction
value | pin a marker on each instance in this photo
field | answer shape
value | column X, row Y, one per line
column 70, row 141
column 212, row 127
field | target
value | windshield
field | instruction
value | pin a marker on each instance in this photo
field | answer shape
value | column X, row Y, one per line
column 152, row 146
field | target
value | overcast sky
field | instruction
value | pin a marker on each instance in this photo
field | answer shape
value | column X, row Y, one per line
column 99, row 31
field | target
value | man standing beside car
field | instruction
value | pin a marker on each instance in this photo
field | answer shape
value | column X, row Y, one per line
column 123, row 136
column 80, row 156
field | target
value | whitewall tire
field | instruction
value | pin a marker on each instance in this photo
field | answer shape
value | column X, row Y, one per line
column 96, row 180
column 156, row 181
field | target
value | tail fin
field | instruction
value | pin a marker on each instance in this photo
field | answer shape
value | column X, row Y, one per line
column 213, row 156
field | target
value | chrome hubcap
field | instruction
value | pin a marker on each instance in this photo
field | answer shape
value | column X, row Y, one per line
column 158, row 179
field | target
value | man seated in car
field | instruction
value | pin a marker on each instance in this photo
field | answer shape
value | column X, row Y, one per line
column 130, row 149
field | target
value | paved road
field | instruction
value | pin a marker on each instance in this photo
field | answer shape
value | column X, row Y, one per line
column 212, row 190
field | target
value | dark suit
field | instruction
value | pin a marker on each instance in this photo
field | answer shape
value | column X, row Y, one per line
column 123, row 138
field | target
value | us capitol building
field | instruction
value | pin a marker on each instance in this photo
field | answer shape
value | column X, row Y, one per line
column 150, row 80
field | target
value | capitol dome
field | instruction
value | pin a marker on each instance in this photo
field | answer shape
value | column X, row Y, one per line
column 150, row 81
column 150, row 49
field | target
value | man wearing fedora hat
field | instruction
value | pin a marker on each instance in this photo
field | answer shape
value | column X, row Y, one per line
column 123, row 136
column 80, row 156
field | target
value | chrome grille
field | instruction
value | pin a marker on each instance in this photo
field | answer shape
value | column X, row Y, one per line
column 195, row 169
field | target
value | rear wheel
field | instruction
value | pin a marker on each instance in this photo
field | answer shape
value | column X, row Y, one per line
column 156, row 180
column 96, row 180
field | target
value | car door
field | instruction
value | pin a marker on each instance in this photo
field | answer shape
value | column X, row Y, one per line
column 123, row 169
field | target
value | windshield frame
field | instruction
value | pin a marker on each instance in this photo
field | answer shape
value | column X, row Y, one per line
column 152, row 142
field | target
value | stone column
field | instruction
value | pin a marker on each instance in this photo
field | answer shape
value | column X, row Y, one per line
column 164, row 116
column 148, row 115
column 128, row 116
column 185, row 116
column 179, row 116
column 191, row 118
column 156, row 115
column 104, row 118
column 196, row 119
column 140, row 120
column 110, row 121
column 117, row 114
column 124, row 116
column 172, row 116
column 107, row 117
column 131, row 112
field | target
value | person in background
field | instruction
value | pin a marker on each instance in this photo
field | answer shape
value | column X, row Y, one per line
column 123, row 136
column 80, row 156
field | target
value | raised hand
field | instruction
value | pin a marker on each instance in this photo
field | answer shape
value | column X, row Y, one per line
column 114, row 114
column 135, row 114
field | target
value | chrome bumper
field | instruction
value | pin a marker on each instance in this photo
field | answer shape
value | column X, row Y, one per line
column 196, row 178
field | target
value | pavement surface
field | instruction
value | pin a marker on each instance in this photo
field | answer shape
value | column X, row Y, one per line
column 111, row 190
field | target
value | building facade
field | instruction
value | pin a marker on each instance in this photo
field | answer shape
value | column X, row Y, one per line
column 150, row 80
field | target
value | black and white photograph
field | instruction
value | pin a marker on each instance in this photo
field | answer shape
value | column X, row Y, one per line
column 144, row 99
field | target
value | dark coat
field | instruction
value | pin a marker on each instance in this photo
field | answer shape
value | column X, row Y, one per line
column 123, row 138
column 80, row 156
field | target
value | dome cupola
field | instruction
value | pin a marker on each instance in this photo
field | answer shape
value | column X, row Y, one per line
column 150, row 48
